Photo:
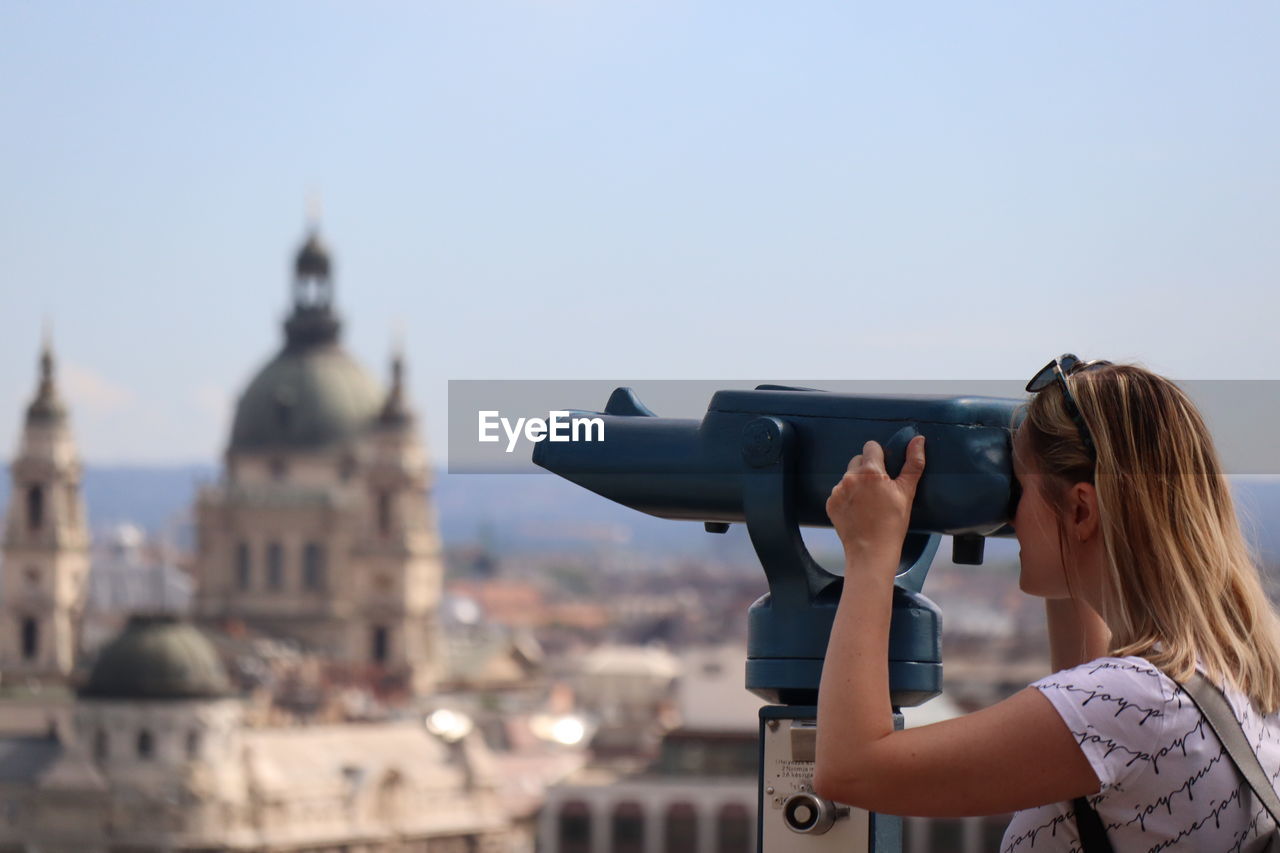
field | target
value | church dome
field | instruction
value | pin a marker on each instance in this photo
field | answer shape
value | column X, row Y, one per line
column 305, row 398
column 313, row 394
column 158, row 657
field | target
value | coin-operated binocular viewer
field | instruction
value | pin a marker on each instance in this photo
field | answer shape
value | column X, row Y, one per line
column 769, row 458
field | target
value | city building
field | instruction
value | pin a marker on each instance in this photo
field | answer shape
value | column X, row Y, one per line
column 45, row 546
column 629, row 691
column 155, row 754
column 321, row 528
column 697, row 796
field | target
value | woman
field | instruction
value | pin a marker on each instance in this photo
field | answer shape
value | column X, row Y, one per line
column 1128, row 531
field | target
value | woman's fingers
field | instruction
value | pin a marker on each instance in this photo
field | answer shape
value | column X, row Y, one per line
column 867, row 507
column 872, row 458
column 874, row 454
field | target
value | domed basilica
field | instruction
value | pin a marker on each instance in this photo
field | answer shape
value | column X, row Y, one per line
column 321, row 529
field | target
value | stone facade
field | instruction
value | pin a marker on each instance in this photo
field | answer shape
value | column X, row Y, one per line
column 45, row 545
column 321, row 528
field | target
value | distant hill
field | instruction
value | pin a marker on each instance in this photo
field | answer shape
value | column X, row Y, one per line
column 511, row 512
column 506, row 511
column 154, row 498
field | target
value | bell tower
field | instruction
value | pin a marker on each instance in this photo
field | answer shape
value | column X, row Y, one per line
column 398, row 631
column 45, row 544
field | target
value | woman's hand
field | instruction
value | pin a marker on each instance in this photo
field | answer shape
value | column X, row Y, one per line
column 869, row 509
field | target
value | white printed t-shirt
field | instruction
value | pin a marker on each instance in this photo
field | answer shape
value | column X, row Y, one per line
column 1167, row 783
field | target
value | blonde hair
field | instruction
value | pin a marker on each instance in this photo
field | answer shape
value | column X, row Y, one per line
column 1180, row 581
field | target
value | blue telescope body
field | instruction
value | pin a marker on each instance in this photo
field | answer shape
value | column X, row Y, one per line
column 769, row 458
column 682, row 468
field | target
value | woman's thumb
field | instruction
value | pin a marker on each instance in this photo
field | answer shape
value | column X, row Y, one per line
column 913, row 466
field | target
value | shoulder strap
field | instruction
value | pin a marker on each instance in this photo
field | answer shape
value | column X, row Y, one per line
column 1093, row 835
column 1222, row 720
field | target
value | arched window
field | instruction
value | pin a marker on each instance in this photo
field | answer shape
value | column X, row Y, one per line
column 101, row 746
column 681, row 828
column 381, row 643
column 313, row 566
column 733, row 828
column 627, row 828
column 244, row 568
column 275, row 565
column 284, row 408
column 384, row 513
column 146, row 745
column 575, row 827
column 30, row 638
column 35, row 507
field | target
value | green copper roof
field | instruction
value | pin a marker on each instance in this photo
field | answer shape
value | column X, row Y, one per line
column 306, row 397
column 158, row 657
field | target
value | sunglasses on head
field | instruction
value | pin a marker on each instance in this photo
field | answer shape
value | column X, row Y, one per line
column 1057, row 371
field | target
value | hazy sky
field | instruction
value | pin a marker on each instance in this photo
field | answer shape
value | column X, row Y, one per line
column 566, row 189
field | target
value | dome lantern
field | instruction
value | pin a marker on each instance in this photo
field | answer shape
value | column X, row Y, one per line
column 313, row 321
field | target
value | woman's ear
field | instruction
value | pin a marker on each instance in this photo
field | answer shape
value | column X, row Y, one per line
column 1082, row 507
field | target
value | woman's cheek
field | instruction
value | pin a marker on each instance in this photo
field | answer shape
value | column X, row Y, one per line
column 1026, row 579
column 1032, row 576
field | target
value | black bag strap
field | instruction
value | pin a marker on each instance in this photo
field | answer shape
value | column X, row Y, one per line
column 1093, row 835
column 1222, row 720
column 1217, row 712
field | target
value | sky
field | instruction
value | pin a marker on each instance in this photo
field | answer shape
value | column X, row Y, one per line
column 556, row 189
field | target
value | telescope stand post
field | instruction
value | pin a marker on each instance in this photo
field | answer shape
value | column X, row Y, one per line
column 790, row 816
column 787, row 633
